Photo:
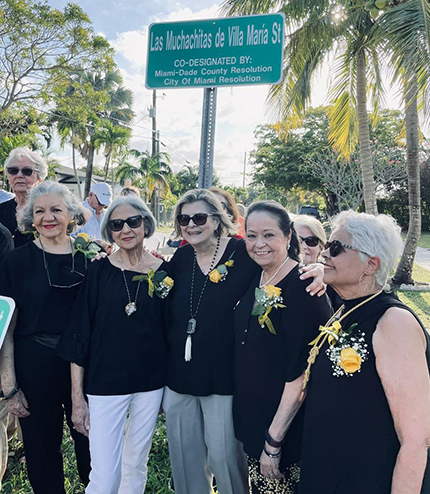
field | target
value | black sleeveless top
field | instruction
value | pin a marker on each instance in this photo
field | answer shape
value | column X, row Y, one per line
column 350, row 445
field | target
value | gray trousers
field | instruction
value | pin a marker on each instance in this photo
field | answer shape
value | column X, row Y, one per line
column 202, row 444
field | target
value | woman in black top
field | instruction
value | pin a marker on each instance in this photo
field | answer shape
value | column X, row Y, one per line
column 211, row 274
column 43, row 277
column 274, row 323
column 116, row 341
column 367, row 417
column 24, row 169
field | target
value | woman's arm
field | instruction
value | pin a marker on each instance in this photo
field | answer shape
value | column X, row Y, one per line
column 315, row 271
column 287, row 410
column 17, row 405
column 80, row 412
column 399, row 346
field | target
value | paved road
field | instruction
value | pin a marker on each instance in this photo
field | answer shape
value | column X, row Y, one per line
column 423, row 257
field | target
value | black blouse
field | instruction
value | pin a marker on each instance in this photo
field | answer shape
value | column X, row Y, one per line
column 350, row 443
column 264, row 362
column 121, row 354
column 8, row 219
column 42, row 309
column 210, row 370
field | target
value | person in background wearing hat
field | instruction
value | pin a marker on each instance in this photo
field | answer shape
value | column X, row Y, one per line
column 98, row 199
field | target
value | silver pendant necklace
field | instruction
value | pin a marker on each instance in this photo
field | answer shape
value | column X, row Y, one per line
column 131, row 307
column 192, row 323
column 274, row 276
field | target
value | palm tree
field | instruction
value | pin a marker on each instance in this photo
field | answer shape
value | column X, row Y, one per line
column 404, row 33
column 151, row 174
column 114, row 138
column 317, row 29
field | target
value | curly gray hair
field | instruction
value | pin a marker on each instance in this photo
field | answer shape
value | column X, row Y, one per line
column 24, row 152
column 378, row 235
column 141, row 208
column 78, row 213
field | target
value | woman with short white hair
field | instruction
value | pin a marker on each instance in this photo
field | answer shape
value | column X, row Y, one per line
column 43, row 278
column 116, row 340
column 368, row 375
column 24, row 169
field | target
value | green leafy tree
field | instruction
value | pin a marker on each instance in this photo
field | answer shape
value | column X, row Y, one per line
column 152, row 173
column 40, row 45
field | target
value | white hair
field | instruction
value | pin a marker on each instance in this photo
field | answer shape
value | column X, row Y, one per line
column 78, row 213
column 137, row 203
column 24, row 152
column 377, row 235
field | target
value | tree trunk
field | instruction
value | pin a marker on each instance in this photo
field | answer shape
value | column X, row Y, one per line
column 89, row 172
column 364, row 137
column 76, row 171
column 107, row 163
column 404, row 269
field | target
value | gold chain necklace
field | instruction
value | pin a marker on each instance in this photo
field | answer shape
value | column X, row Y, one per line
column 331, row 329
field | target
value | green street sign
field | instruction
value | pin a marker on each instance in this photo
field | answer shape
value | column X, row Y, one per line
column 7, row 306
column 231, row 51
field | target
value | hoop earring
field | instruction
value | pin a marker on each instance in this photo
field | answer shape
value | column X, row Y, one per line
column 367, row 287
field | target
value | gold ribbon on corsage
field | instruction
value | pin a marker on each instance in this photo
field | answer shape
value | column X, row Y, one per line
column 267, row 298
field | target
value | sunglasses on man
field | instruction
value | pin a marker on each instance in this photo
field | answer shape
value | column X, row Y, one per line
column 199, row 219
column 335, row 247
column 133, row 222
column 26, row 171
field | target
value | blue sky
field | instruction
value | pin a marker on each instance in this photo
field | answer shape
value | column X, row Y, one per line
column 239, row 109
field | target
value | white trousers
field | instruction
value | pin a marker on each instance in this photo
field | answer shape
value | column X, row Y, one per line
column 120, row 444
column 202, row 444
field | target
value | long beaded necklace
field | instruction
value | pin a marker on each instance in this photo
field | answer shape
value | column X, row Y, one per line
column 274, row 276
column 131, row 307
column 192, row 323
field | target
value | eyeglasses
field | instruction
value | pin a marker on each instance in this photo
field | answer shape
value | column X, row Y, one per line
column 199, row 219
column 335, row 247
column 26, row 171
column 132, row 222
column 310, row 241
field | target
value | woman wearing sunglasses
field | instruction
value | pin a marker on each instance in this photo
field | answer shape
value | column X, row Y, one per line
column 274, row 323
column 24, row 169
column 43, row 277
column 367, row 417
column 211, row 274
column 116, row 342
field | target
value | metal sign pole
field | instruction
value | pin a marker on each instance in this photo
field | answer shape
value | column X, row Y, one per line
column 207, row 138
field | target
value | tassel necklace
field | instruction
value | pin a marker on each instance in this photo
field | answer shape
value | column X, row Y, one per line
column 192, row 323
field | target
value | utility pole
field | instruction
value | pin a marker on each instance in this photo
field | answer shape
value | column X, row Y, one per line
column 244, row 171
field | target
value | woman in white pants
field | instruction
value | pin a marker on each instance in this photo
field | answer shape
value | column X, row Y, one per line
column 116, row 343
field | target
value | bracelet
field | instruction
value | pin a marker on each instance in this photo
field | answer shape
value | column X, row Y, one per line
column 271, row 442
column 11, row 393
column 272, row 455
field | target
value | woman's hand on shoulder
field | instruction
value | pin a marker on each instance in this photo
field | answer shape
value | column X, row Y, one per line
column 81, row 416
column 315, row 271
column 99, row 255
column 18, row 405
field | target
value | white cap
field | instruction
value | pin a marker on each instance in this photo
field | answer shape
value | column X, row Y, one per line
column 103, row 192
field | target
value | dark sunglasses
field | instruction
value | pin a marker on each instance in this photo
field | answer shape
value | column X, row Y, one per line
column 335, row 247
column 199, row 219
column 132, row 222
column 14, row 170
column 310, row 241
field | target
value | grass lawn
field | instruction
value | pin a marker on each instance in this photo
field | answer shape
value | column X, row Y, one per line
column 419, row 301
column 424, row 239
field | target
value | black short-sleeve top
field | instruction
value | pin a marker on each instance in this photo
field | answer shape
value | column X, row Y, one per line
column 8, row 219
column 121, row 354
column 210, row 370
column 42, row 309
column 264, row 362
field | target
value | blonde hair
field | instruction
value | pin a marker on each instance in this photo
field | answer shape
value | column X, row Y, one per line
column 314, row 226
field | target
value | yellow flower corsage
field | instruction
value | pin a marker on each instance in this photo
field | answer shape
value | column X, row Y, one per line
column 267, row 298
column 220, row 272
column 158, row 283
